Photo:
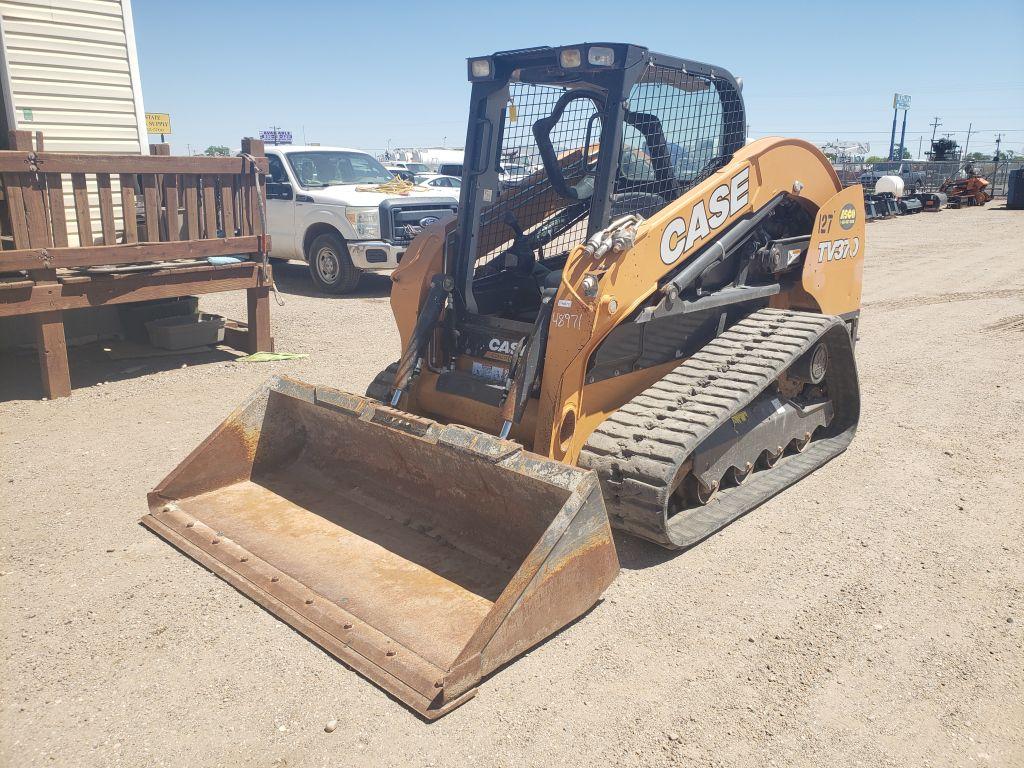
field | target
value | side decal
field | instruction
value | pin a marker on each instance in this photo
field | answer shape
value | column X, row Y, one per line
column 707, row 215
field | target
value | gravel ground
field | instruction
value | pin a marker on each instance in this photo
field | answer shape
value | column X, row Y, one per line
column 872, row 615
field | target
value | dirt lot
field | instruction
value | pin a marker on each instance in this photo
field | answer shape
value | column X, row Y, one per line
column 871, row 616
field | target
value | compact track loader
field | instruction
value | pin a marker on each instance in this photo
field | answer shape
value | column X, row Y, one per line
column 652, row 328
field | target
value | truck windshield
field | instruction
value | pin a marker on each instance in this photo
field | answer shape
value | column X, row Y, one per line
column 323, row 169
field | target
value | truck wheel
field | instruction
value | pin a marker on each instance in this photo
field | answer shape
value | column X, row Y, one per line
column 330, row 265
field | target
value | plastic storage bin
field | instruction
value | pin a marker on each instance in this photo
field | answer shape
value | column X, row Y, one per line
column 185, row 332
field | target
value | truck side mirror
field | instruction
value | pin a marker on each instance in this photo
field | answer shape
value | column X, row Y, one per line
column 279, row 190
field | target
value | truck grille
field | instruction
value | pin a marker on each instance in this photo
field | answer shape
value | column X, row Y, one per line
column 401, row 221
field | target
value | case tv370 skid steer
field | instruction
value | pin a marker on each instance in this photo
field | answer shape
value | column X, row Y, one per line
column 649, row 326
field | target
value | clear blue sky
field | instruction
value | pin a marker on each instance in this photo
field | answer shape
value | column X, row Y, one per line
column 365, row 73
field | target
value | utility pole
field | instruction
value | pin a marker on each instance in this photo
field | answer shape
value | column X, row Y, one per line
column 935, row 124
column 995, row 171
column 920, row 139
column 968, row 142
column 892, row 136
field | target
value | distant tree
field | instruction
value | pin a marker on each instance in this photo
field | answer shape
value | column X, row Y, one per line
column 877, row 159
column 978, row 157
column 217, row 150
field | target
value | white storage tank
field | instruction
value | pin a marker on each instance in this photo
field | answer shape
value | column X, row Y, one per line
column 891, row 184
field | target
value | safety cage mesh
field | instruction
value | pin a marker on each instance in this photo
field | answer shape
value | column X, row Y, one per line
column 678, row 129
column 523, row 189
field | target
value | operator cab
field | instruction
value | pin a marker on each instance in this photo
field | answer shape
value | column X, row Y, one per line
column 600, row 131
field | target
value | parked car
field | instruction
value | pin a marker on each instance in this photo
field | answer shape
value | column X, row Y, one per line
column 322, row 207
column 450, row 169
column 438, row 180
column 406, row 165
column 913, row 180
column 508, row 177
column 403, row 173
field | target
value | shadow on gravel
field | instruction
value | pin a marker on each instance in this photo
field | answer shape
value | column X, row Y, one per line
column 293, row 279
column 636, row 554
column 19, row 371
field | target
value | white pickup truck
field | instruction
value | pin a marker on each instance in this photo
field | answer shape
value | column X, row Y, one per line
column 322, row 207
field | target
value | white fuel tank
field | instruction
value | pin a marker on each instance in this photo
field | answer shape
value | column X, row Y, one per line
column 892, row 184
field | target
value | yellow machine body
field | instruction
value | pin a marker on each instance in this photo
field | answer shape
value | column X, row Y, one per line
column 560, row 421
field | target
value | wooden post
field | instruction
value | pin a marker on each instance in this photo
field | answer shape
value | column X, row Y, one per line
column 54, row 372
column 258, row 338
column 53, row 354
column 160, row 149
column 255, row 148
column 258, row 299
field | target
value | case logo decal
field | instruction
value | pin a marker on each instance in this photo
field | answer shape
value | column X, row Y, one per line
column 706, row 216
column 502, row 345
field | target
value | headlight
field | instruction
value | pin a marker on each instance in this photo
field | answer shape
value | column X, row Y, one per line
column 600, row 56
column 479, row 69
column 570, row 58
column 365, row 221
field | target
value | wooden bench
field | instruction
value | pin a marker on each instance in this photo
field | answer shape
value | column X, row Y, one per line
column 188, row 209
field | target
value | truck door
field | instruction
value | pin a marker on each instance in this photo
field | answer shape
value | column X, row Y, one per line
column 280, row 210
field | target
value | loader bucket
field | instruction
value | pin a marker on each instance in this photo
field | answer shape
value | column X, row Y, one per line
column 423, row 556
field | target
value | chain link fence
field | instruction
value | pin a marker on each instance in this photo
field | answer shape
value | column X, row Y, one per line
column 927, row 175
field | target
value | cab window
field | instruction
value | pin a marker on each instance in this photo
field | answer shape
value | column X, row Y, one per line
column 276, row 169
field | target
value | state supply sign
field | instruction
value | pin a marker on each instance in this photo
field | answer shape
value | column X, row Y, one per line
column 158, row 122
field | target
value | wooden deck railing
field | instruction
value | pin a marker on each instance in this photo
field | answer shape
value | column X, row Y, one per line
column 190, row 207
column 67, row 214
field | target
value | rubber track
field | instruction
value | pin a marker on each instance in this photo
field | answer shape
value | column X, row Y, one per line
column 639, row 450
